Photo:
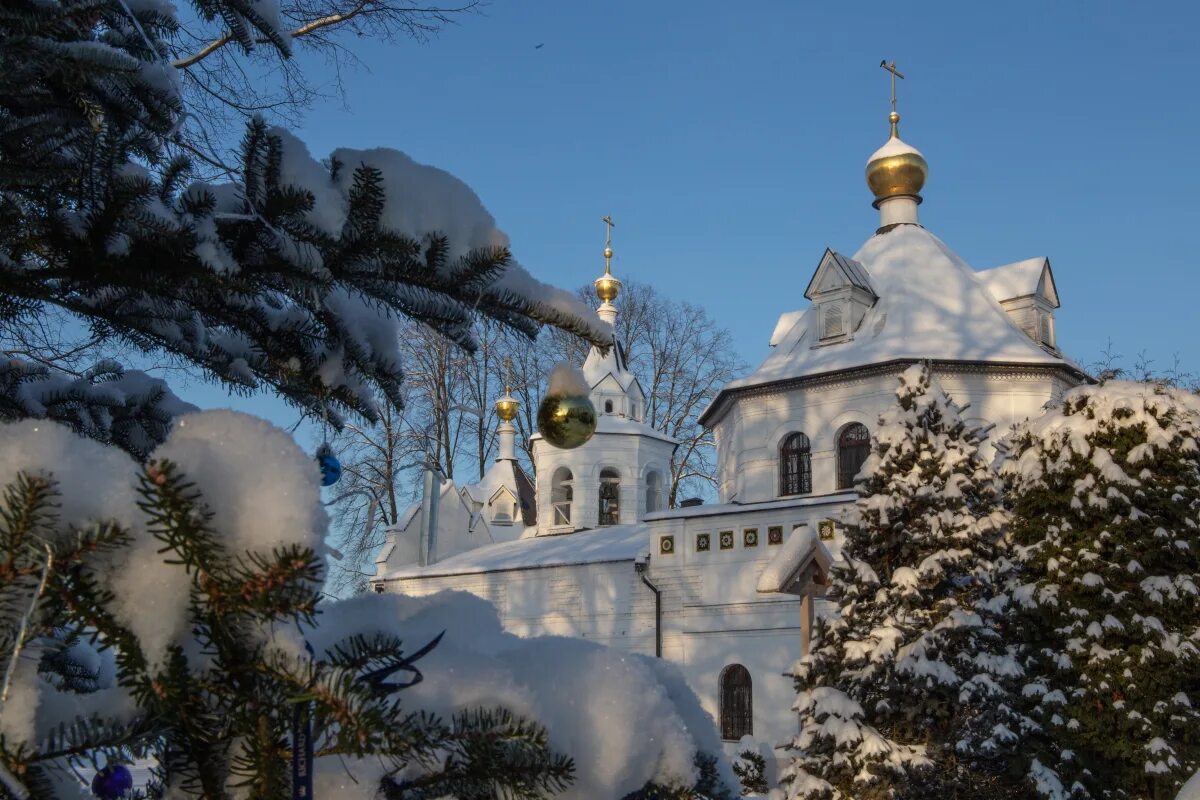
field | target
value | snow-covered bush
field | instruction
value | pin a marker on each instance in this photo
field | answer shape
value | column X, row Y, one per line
column 172, row 609
column 909, row 661
column 1105, row 495
column 750, row 766
column 626, row 719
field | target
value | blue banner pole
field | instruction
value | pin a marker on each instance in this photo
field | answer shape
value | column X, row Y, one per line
column 302, row 752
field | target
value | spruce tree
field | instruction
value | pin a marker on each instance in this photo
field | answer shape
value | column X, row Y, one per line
column 1105, row 495
column 907, row 665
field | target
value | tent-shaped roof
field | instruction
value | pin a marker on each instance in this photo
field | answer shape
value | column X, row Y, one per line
column 508, row 474
column 931, row 305
column 802, row 553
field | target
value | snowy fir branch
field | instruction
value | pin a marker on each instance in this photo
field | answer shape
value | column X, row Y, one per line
column 292, row 278
column 215, row 704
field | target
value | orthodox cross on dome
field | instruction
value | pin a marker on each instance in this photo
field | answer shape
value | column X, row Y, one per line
column 895, row 74
column 608, row 226
column 506, row 406
column 607, row 287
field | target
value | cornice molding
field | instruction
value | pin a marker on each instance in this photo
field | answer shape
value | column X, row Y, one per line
column 996, row 370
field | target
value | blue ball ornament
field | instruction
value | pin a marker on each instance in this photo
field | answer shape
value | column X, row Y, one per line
column 112, row 782
column 331, row 468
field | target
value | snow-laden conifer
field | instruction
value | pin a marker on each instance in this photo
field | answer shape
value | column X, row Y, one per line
column 908, row 664
column 289, row 276
column 1105, row 494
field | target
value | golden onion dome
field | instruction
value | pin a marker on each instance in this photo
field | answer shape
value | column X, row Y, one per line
column 506, row 407
column 607, row 287
column 897, row 168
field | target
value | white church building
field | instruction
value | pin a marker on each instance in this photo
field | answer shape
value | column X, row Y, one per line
column 727, row 591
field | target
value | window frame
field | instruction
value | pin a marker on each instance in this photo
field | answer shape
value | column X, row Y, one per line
column 609, row 490
column 799, row 478
column 862, row 447
column 735, row 703
column 562, row 497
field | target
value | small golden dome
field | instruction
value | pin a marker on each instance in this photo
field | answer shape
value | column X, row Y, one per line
column 506, row 407
column 607, row 287
column 897, row 168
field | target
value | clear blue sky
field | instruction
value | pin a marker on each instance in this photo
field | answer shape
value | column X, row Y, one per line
column 728, row 141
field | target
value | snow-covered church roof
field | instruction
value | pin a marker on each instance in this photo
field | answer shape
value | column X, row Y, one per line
column 931, row 305
column 1029, row 278
column 616, row 543
column 508, row 474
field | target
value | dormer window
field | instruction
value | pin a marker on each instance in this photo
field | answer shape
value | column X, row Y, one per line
column 1026, row 292
column 841, row 293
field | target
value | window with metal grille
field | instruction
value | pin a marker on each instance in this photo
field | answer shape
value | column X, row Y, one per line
column 854, row 445
column 795, row 465
column 610, row 497
column 561, row 495
column 737, row 703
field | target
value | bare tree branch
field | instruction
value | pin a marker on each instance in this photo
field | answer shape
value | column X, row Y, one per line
column 439, row 15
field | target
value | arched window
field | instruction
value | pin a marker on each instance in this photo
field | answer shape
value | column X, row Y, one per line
column 795, row 465
column 737, row 703
column 561, row 495
column 610, row 497
column 608, row 406
column 854, row 445
column 654, row 490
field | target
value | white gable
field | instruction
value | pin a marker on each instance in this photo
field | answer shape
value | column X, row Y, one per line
column 609, row 384
column 834, row 272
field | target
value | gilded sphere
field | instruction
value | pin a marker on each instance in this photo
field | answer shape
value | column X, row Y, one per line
column 608, row 252
column 901, row 173
column 566, row 421
column 607, row 288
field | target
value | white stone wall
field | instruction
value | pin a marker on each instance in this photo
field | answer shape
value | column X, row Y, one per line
column 713, row 614
column 605, row 603
column 751, row 430
column 454, row 534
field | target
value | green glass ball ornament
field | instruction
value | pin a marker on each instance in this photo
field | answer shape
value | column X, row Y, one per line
column 566, row 421
column 566, row 417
